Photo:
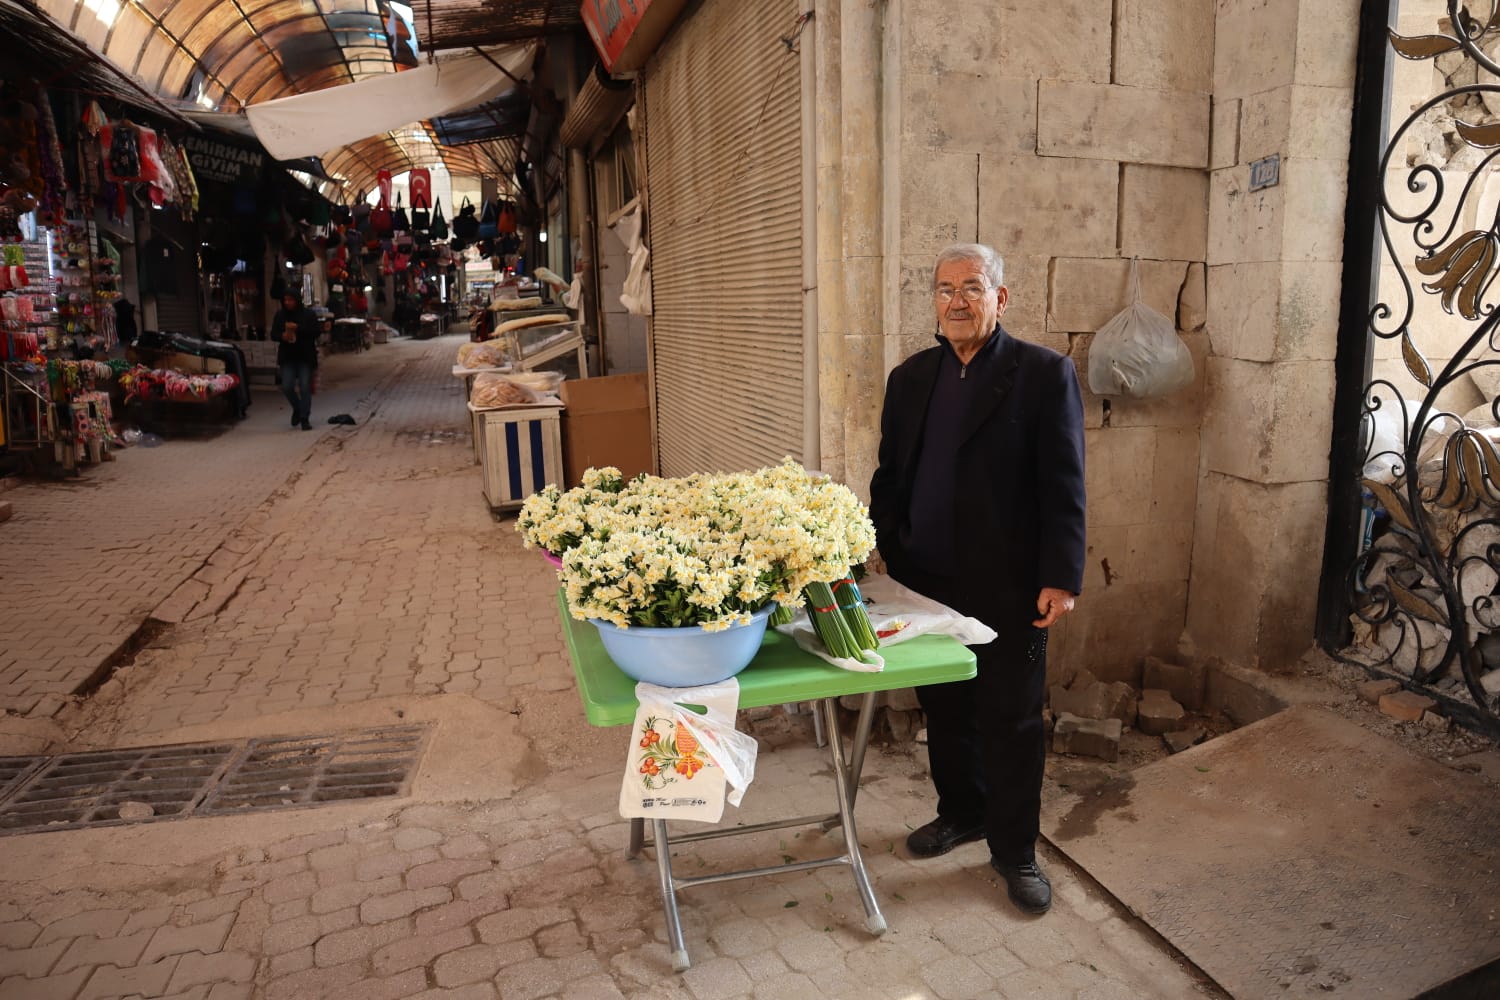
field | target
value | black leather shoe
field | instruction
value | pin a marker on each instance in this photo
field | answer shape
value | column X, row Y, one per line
column 1027, row 886
column 295, row 419
column 941, row 836
column 306, row 424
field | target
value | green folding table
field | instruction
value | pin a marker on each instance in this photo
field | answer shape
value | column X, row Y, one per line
column 780, row 674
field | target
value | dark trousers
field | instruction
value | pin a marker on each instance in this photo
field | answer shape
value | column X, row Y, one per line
column 296, row 384
column 986, row 746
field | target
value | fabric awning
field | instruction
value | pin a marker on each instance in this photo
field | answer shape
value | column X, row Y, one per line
column 312, row 124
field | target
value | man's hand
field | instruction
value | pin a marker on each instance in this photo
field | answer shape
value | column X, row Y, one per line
column 1052, row 604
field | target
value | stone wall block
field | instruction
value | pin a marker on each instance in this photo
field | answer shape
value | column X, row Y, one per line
column 1093, row 406
column 1118, row 474
column 1026, row 279
column 1266, row 124
column 996, row 115
column 1255, row 46
column 1130, row 124
column 1240, row 324
column 1174, row 475
column 1327, row 43
column 1290, row 403
column 1192, row 303
column 1024, row 39
column 1316, row 196
column 1307, row 314
column 1163, row 213
column 1256, row 565
column 1165, row 45
column 1063, row 207
column 1243, row 226
column 866, row 355
column 939, row 199
column 1085, row 292
column 1145, row 618
column 1224, row 148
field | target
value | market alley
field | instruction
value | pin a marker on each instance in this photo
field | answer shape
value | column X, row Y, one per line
column 360, row 583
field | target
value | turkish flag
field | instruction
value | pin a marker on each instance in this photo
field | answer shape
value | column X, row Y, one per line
column 421, row 188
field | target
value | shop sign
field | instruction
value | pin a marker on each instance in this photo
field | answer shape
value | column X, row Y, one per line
column 626, row 32
column 223, row 162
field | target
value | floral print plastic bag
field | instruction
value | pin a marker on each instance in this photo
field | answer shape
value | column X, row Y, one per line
column 683, row 763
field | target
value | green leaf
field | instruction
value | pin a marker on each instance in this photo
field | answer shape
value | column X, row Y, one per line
column 1203, row 769
column 894, row 895
column 828, row 896
column 787, row 859
column 789, row 904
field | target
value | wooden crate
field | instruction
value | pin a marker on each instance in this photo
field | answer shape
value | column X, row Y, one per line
column 520, row 451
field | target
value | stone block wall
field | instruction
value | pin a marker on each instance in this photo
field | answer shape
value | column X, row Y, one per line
column 1071, row 137
column 1074, row 135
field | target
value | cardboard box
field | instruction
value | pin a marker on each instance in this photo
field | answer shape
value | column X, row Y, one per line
column 607, row 422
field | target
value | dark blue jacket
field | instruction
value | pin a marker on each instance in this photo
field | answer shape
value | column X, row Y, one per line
column 1018, row 504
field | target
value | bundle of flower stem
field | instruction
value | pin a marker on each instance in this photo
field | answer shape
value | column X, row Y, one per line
column 839, row 617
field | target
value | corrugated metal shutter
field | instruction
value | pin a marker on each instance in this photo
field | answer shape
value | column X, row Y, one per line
column 597, row 108
column 724, row 182
column 180, row 312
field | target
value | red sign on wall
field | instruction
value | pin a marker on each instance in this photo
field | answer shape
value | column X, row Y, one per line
column 611, row 23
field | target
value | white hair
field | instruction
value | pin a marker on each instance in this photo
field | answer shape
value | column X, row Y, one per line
column 986, row 257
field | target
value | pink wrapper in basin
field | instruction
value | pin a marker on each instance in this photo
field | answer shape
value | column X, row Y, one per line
column 554, row 560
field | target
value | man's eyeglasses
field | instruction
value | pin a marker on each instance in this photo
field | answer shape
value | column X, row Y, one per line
column 973, row 293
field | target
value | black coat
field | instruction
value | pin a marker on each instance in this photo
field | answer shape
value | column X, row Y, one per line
column 305, row 348
column 1019, row 499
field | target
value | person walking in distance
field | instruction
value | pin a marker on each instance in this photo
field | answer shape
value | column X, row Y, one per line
column 978, row 502
column 295, row 330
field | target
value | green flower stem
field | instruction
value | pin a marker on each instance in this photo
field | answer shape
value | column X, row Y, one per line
column 852, row 607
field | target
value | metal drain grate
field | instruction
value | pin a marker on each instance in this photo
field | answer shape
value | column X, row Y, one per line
column 82, row 789
column 87, row 789
column 15, row 770
column 289, row 772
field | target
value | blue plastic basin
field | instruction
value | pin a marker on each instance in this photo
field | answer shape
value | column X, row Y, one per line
column 683, row 657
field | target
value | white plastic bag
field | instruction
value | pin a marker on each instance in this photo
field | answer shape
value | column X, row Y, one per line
column 635, row 296
column 680, row 761
column 1138, row 352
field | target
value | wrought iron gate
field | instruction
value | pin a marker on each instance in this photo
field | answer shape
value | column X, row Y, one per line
column 1414, row 540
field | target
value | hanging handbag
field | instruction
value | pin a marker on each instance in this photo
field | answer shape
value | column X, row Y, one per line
column 466, row 223
column 439, row 226
column 489, row 219
column 399, row 222
column 380, row 216
column 505, row 223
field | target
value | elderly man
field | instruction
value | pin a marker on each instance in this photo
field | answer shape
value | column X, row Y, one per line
column 978, row 502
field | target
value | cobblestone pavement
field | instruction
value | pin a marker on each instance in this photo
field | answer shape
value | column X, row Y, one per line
column 86, row 560
column 373, row 585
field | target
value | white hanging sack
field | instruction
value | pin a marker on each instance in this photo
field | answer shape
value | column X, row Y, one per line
column 1138, row 352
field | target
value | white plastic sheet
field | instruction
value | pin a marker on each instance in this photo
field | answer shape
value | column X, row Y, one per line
column 314, row 123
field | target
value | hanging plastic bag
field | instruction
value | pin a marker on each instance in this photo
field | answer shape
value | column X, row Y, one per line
column 635, row 294
column 1138, row 352
column 680, row 761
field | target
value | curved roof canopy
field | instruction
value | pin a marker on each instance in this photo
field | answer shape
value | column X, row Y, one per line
column 230, row 54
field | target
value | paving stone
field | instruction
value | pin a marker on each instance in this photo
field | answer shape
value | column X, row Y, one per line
column 147, row 980
column 230, row 991
column 478, row 962
column 123, row 951
column 412, row 838
column 474, row 991
column 330, row 899
column 305, row 844
column 1184, row 738
column 418, row 951
column 357, row 942
column 315, row 982
column 538, row 977
column 1407, row 706
column 389, row 863
column 401, row 904
column 459, row 913
column 223, row 967
column 92, row 923
column 1186, row 683
column 443, row 872
column 34, row 962
column 1373, row 691
column 1087, row 737
column 333, row 856
column 468, row 845
column 62, row 986
column 393, row 988
column 292, row 961
column 19, row 934
column 519, row 923
column 298, row 886
column 561, row 940
column 207, row 938
column 1158, row 713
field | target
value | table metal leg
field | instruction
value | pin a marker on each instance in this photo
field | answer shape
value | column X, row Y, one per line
column 861, row 740
column 680, row 960
column 874, row 920
column 819, row 736
column 637, row 838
